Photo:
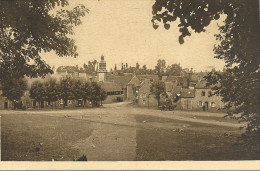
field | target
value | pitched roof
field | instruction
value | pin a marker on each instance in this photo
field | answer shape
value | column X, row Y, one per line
column 187, row 93
column 134, row 81
column 111, row 86
column 120, row 80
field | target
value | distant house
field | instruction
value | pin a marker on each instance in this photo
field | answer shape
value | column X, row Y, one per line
column 114, row 92
column 122, row 81
column 186, row 97
column 144, row 97
column 4, row 103
column 205, row 98
column 132, row 87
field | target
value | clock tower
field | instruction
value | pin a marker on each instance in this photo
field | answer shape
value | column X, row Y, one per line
column 102, row 71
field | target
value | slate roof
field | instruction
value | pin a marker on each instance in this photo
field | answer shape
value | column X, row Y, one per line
column 111, row 86
column 120, row 80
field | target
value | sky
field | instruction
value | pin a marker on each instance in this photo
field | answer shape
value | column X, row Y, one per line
column 122, row 31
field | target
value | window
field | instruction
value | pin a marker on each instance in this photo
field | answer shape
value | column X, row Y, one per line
column 209, row 94
column 213, row 104
column 200, row 104
column 70, row 101
column 144, row 95
column 203, row 93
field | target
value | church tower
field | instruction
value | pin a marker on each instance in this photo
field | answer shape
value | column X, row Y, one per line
column 102, row 71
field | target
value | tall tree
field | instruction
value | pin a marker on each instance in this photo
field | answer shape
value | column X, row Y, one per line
column 66, row 90
column 28, row 28
column 52, row 91
column 102, row 95
column 86, row 92
column 160, row 67
column 174, row 70
column 158, row 89
column 38, row 92
column 14, row 89
column 77, row 89
column 97, row 94
column 239, row 47
column 95, row 87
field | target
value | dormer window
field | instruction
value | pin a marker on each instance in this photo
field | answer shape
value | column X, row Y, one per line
column 209, row 94
column 203, row 93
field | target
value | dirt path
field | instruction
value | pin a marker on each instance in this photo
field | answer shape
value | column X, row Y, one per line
column 123, row 114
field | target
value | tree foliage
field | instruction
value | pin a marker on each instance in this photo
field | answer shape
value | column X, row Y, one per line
column 97, row 94
column 66, row 90
column 239, row 47
column 14, row 89
column 29, row 28
column 52, row 90
column 38, row 92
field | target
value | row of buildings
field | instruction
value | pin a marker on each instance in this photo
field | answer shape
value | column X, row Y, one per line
column 188, row 92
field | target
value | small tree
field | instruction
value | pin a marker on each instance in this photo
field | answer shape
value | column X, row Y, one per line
column 158, row 89
column 13, row 89
column 38, row 92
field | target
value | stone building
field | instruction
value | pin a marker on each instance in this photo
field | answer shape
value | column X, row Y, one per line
column 144, row 97
column 205, row 98
column 114, row 92
column 186, row 98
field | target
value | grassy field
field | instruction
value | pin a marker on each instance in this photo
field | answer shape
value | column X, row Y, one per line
column 21, row 135
column 115, row 133
column 196, row 142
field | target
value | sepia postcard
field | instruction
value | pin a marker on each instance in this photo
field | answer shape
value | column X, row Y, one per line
column 129, row 84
